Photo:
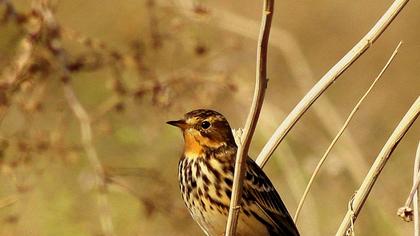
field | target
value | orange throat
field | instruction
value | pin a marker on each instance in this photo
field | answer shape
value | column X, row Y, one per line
column 195, row 143
column 192, row 147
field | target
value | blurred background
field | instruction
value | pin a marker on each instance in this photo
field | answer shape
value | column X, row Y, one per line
column 134, row 65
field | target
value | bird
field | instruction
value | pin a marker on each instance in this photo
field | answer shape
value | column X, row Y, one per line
column 205, row 176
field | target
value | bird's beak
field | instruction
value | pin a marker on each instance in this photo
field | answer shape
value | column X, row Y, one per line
column 178, row 123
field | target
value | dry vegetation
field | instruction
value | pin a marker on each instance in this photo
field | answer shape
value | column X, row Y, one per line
column 86, row 88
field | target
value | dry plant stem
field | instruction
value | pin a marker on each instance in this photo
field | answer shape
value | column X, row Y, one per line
column 12, row 75
column 346, row 123
column 406, row 212
column 251, row 122
column 328, row 79
column 80, row 113
column 378, row 165
column 413, row 191
column 26, row 48
column 350, row 208
column 416, row 195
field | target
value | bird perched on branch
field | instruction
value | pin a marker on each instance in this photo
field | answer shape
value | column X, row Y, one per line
column 205, row 174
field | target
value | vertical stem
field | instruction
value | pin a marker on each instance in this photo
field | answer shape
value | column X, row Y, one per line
column 416, row 195
column 251, row 122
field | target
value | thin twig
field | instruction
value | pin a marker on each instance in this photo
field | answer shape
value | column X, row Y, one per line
column 328, row 79
column 413, row 192
column 80, row 113
column 22, row 59
column 416, row 196
column 251, row 122
column 406, row 212
column 379, row 164
column 11, row 75
column 350, row 208
column 346, row 123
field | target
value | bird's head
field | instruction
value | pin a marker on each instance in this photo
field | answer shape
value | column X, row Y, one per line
column 204, row 129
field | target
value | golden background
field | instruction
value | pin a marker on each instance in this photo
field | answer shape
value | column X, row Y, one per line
column 161, row 59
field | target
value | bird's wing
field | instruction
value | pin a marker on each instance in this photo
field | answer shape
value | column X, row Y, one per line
column 259, row 189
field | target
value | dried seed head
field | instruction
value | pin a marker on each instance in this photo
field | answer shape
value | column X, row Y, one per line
column 406, row 213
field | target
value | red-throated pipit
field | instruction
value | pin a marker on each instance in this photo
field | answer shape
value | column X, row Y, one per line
column 205, row 174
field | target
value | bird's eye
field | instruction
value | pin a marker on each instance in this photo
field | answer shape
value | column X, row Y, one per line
column 205, row 124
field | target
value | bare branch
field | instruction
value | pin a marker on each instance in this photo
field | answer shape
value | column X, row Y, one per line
column 416, row 196
column 22, row 59
column 406, row 212
column 328, row 79
column 251, row 122
column 378, row 165
column 10, row 76
column 346, row 123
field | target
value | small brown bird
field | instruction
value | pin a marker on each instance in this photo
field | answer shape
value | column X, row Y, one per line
column 205, row 174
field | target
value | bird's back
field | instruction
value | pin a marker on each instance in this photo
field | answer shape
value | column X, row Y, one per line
column 267, row 203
